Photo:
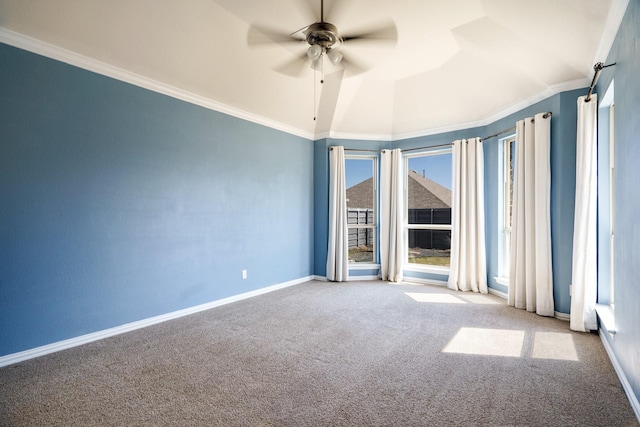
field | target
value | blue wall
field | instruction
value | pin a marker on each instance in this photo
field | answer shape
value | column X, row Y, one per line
column 625, row 52
column 118, row 203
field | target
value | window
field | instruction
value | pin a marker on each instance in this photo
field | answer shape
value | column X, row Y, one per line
column 606, row 211
column 428, row 208
column 606, row 197
column 362, row 198
column 611, row 201
column 507, row 152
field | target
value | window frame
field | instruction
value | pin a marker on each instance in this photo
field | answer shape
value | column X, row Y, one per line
column 376, row 219
column 606, row 202
column 505, row 205
column 423, row 268
column 606, row 122
column 612, row 200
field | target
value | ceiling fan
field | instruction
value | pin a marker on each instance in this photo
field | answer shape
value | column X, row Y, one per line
column 322, row 39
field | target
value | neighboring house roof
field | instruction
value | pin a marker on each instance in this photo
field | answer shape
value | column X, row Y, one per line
column 426, row 193
column 423, row 193
column 361, row 195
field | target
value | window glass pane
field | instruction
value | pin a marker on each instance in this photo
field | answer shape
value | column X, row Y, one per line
column 431, row 247
column 361, row 242
column 429, row 189
column 429, row 205
column 430, row 216
column 511, row 176
column 359, row 182
column 508, row 164
column 361, row 202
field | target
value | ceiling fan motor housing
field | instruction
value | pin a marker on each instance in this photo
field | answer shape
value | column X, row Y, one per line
column 322, row 34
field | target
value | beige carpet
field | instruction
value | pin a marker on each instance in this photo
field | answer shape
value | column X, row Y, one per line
column 324, row 354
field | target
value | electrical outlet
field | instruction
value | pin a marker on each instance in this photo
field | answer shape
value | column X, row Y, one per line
column 244, row 274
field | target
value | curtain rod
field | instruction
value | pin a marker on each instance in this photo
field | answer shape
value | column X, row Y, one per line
column 512, row 128
column 544, row 116
column 407, row 149
column 596, row 68
column 432, row 146
column 359, row 149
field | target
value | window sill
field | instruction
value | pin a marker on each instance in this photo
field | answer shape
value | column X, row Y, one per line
column 422, row 268
column 504, row 281
column 363, row 266
column 607, row 317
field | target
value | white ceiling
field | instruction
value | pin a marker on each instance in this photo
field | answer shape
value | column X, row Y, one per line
column 456, row 63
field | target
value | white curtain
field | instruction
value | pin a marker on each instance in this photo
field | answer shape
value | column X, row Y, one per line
column 584, row 272
column 338, row 249
column 391, row 215
column 468, row 270
column 530, row 272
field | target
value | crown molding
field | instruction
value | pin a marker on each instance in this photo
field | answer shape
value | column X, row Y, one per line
column 75, row 59
column 360, row 136
column 548, row 92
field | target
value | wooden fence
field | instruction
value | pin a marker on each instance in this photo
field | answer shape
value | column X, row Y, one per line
column 433, row 239
column 359, row 237
column 430, row 239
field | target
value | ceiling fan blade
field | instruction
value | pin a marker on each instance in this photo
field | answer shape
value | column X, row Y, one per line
column 334, row 9
column 385, row 32
column 328, row 101
column 310, row 9
column 294, row 67
column 353, row 67
column 262, row 36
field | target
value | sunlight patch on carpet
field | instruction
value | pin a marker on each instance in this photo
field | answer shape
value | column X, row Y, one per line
column 486, row 342
column 434, row 298
column 554, row 345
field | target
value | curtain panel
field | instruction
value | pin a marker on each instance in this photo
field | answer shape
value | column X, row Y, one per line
column 584, row 266
column 391, row 215
column 468, row 269
column 530, row 272
column 338, row 242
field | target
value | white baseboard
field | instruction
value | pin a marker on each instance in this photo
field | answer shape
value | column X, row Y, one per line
column 626, row 385
column 561, row 316
column 351, row 278
column 498, row 293
column 127, row 327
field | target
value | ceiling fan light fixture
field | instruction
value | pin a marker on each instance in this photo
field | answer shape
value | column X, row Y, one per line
column 334, row 56
column 314, row 52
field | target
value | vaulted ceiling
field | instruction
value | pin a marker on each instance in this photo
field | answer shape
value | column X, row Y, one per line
column 456, row 63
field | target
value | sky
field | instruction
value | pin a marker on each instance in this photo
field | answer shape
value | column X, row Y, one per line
column 436, row 167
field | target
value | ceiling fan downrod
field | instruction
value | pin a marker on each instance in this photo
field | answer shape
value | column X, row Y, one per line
column 322, row 37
